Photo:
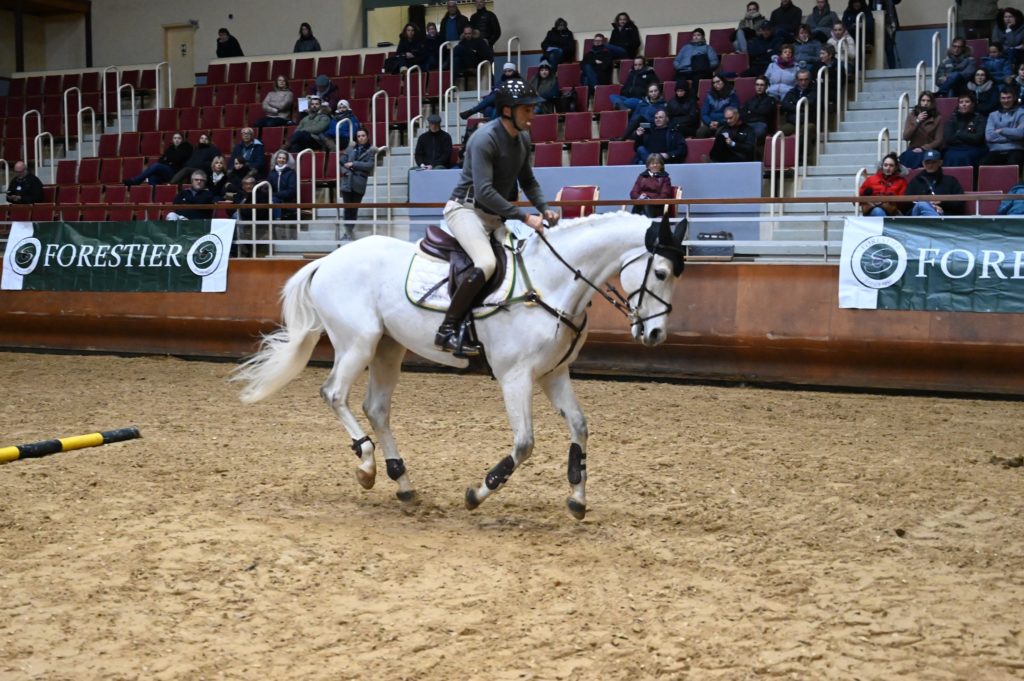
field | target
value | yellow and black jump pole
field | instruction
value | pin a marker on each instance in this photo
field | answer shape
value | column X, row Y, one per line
column 47, row 447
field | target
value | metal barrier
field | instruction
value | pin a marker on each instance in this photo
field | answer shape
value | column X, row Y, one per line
column 409, row 118
column 24, row 131
column 480, row 80
column 936, row 58
column 270, row 217
column 131, row 98
column 951, row 19
column 860, row 45
column 92, row 124
column 519, row 52
column 920, row 79
column 775, row 176
column 450, row 47
column 449, row 95
column 37, row 148
column 821, row 106
column 67, row 128
column 903, row 110
column 842, row 59
column 800, row 145
column 103, row 90
column 7, row 173
column 298, row 181
column 376, row 185
column 881, row 151
column 859, row 180
column 373, row 115
column 170, row 95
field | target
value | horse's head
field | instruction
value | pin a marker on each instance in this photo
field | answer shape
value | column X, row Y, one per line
column 649, row 279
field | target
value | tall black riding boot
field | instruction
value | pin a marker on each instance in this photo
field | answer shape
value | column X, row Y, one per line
column 449, row 336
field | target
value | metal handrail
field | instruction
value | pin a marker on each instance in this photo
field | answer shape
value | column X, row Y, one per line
column 859, row 180
column 920, row 79
column 451, row 92
column 37, row 148
column 842, row 57
column 159, row 99
column 480, row 79
column 7, row 173
column 67, row 128
column 410, row 120
column 777, row 148
column 800, row 164
column 519, row 52
column 881, row 151
column 103, row 89
column 298, row 182
column 951, row 19
column 131, row 97
column 92, row 124
column 373, row 115
column 860, row 45
column 936, row 57
column 376, row 184
column 902, row 111
column 270, row 216
column 821, row 106
column 24, row 131
column 450, row 46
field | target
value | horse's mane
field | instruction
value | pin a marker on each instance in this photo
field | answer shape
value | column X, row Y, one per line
column 599, row 220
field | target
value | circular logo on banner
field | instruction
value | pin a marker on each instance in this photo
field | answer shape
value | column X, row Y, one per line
column 879, row 261
column 205, row 255
column 25, row 255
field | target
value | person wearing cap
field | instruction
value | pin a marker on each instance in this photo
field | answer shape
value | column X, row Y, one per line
column 933, row 181
column 343, row 127
column 496, row 168
column 308, row 133
column 434, row 146
column 486, row 105
column 326, row 91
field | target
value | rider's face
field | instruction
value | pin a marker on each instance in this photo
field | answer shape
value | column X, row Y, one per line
column 523, row 116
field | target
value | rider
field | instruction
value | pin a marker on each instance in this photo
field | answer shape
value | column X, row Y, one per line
column 496, row 165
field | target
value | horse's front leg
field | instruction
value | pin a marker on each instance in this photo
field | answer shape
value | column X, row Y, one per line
column 384, row 371
column 558, row 388
column 518, row 393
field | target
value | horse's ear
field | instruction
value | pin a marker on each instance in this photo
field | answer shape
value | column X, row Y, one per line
column 665, row 231
column 680, row 232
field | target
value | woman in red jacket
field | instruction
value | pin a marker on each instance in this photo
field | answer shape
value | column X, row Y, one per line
column 653, row 183
column 888, row 181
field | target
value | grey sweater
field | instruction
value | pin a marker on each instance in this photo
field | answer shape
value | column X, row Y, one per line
column 496, row 165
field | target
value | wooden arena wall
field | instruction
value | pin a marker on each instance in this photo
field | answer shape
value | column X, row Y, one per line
column 736, row 322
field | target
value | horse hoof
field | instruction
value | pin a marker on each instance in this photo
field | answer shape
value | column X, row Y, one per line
column 409, row 497
column 471, row 499
column 578, row 510
column 365, row 479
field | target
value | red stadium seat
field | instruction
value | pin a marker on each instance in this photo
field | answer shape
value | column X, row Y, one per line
column 349, row 65
column 963, row 174
column 364, row 87
column 303, row 68
column 238, row 72
column 222, row 138
column 620, row 153
column 665, row 69
column 547, row 155
column 224, row 95
column 281, row 67
column 203, row 96
column 657, row 45
column 577, row 127
column 612, row 124
column 683, row 38
column 374, row 63
column 130, row 166
column 259, row 71
column 234, row 116
column 946, row 106
column 602, row 97
column 544, row 128
column 111, row 171
column 735, row 63
column 324, row 66
column 216, row 74
column 110, row 145
column 720, row 39
column 210, row 117
column 997, row 178
column 67, row 173
column 569, row 74
column 150, row 144
column 246, row 93
column 578, row 193
column 89, row 171
column 697, row 149
column 585, row 154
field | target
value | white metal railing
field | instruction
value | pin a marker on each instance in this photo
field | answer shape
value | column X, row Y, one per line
column 131, row 98
column 800, row 149
column 519, row 52
column 449, row 96
column 376, row 185
column 480, row 80
column 920, row 79
column 67, row 128
column 410, row 120
column 936, row 58
column 24, row 131
column 880, row 149
column 951, row 19
column 103, row 90
column 37, row 148
column 450, row 47
column 7, row 173
column 270, row 214
column 777, row 149
column 80, row 119
column 902, row 111
column 159, row 98
column 860, row 40
column 842, row 68
column 821, row 106
column 298, row 183
column 859, row 180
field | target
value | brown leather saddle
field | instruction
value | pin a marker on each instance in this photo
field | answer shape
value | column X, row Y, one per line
column 442, row 245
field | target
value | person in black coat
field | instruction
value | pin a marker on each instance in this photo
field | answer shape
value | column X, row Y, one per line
column 195, row 194
column 201, row 159
column 625, row 40
column 596, row 65
column 804, row 87
column 734, row 141
column 227, row 45
column 933, row 181
column 786, row 19
column 759, row 111
column 760, row 50
column 170, row 162
column 683, row 114
column 486, row 21
column 659, row 139
column 24, row 187
column 559, row 44
column 434, row 146
column 411, row 50
column 453, row 23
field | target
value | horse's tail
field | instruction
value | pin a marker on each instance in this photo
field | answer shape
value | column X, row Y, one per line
column 284, row 353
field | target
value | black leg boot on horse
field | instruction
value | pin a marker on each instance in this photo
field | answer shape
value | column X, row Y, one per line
column 453, row 334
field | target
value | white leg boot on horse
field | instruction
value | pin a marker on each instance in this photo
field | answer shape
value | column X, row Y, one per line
column 451, row 336
column 384, row 371
column 558, row 388
column 518, row 394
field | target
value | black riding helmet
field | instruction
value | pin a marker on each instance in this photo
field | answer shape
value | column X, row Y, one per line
column 512, row 93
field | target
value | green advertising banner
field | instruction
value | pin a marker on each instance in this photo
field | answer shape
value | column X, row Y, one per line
column 957, row 265
column 159, row 255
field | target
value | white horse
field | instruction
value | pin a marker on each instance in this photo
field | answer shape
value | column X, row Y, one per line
column 356, row 295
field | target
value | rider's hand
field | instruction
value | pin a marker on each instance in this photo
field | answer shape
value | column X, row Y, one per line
column 552, row 217
column 536, row 222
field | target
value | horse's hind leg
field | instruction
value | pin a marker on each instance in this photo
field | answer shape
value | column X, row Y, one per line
column 384, row 371
column 518, row 392
column 558, row 388
column 348, row 364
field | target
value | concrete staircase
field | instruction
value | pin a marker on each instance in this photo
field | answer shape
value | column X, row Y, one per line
column 852, row 147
